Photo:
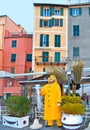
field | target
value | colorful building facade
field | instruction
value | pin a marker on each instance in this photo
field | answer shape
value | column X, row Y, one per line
column 50, row 36
column 16, row 56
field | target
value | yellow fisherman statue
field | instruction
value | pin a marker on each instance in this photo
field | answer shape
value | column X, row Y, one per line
column 52, row 101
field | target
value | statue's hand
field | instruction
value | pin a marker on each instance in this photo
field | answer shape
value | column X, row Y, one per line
column 59, row 104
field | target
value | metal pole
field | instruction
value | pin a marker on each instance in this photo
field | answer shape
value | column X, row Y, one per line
column 69, row 75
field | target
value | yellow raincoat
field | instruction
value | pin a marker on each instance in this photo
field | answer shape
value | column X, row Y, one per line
column 52, row 96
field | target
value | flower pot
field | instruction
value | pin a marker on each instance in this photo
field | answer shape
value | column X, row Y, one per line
column 71, row 122
column 16, row 122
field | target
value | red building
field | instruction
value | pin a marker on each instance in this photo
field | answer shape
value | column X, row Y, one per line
column 17, row 56
column 17, row 59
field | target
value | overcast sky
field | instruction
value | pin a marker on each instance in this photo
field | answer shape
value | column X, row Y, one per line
column 22, row 11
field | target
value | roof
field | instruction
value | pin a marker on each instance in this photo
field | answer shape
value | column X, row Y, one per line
column 63, row 5
column 41, row 79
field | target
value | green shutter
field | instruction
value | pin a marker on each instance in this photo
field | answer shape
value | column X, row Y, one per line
column 70, row 11
column 41, row 39
column 45, row 56
column 47, row 36
column 61, row 11
column 51, row 11
column 61, row 22
column 41, row 11
column 55, row 38
column 57, row 56
column 80, row 11
column 89, row 10
column 41, row 22
column 57, row 41
column 52, row 21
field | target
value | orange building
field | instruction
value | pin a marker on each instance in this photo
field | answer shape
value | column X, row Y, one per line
column 50, row 36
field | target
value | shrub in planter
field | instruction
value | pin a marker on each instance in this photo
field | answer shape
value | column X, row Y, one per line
column 17, row 108
column 72, row 109
column 72, row 105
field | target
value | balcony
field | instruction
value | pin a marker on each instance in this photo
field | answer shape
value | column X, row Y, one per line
column 39, row 60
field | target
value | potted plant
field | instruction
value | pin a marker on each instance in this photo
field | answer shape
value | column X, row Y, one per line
column 72, row 111
column 17, row 108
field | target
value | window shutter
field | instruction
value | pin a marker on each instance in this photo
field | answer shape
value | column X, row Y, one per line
column 89, row 10
column 58, row 40
column 52, row 21
column 47, row 44
column 61, row 11
column 61, row 22
column 78, row 30
column 51, row 11
column 80, row 11
column 57, row 56
column 41, row 11
column 70, row 11
column 41, row 22
column 41, row 39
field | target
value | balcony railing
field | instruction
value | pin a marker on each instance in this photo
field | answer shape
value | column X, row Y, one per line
column 49, row 60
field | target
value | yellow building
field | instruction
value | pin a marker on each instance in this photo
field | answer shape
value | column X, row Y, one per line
column 50, row 36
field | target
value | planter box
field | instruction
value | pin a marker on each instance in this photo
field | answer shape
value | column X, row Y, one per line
column 71, row 122
column 16, row 121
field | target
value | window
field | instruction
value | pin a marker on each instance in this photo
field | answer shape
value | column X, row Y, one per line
column 76, row 30
column 57, row 57
column 13, row 57
column 44, row 69
column 46, row 12
column 75, row 51
column 44, row 40
column 30, row 70
column 14, row 42
column 75, row 11
column 45, row 56
column 29, row 57
column 58, row 22
column 45, row 23
column 50, row 11
column 58, row 11
column 13, row 70
column 57, row 41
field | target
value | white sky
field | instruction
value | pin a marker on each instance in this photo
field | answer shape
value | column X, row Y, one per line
column 22, row 11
